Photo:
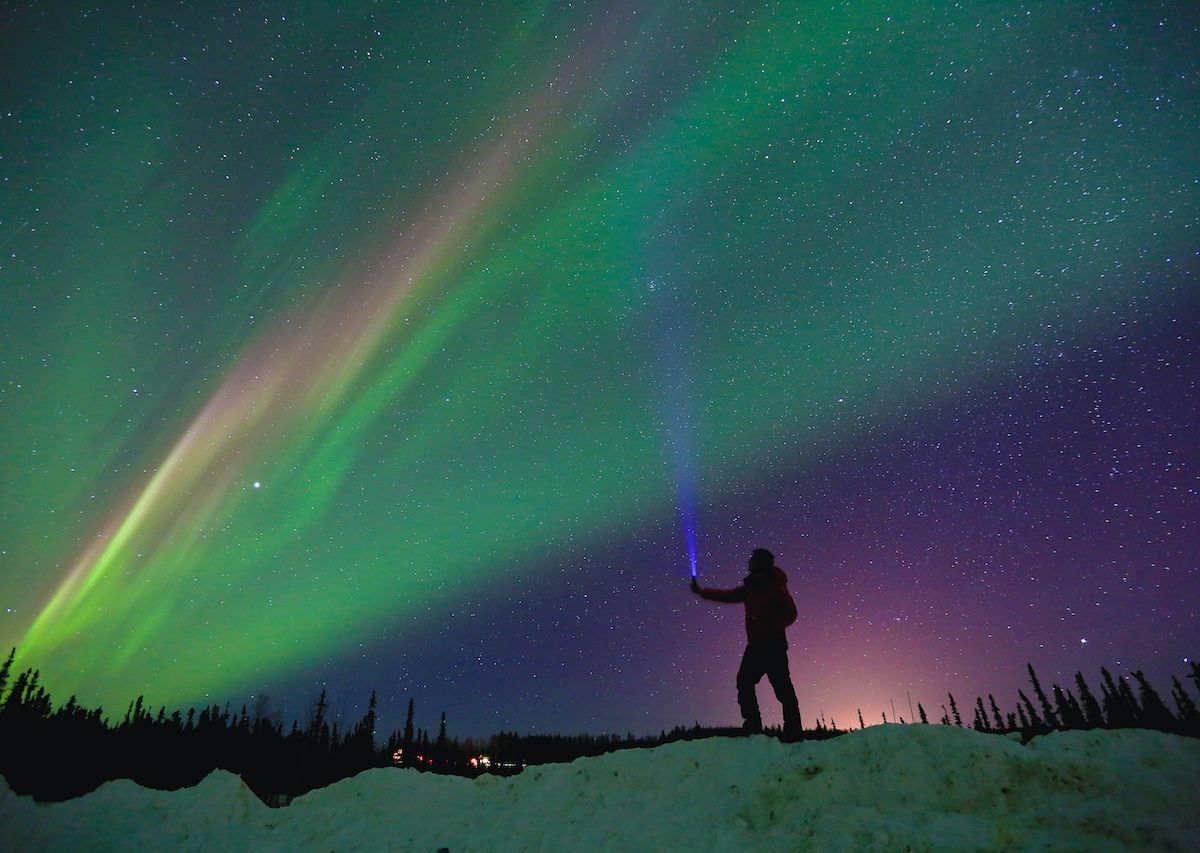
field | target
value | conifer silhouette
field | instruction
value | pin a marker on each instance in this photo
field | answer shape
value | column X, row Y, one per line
column 1189, row 716
column 981, row 721
column 1154, row 712
column 1034, row 720
column 1114, row 712
column 1092, row 715
column 408, row 727
column 1129, row 701
column 6, row 668
column 16, row 696
column 1047, row 712
column 954, row 710
column 1068, row 709
column 996, row 713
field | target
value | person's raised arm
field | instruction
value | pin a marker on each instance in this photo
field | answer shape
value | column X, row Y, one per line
column 727, row 595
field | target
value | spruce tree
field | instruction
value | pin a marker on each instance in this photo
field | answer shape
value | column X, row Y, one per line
column 37, row 700
column 1130, row 701
column 996, row 713
column 1068, row 709
column 1115, row 714
column 1076, row 709
column 368, row 723
column 440, row 747
column 921, row 711
column 1188, row 716
column 1047, row 711
column 318, row 729
column 1092, row 715
column 6, row 668
column 16, row 696
column 1034, row 720
column 981, row 720
column 1154, row 712
column 408, row 726
column 954, row 710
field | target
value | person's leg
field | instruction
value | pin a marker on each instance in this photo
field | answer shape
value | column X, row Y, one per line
column 781, row 681
column 749, row 674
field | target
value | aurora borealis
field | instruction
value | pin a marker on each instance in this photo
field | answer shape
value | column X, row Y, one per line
column 388, row 345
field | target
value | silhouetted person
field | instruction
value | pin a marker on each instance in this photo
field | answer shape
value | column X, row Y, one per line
column 769, row 610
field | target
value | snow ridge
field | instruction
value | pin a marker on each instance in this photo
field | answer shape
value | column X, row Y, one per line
column 891, row 787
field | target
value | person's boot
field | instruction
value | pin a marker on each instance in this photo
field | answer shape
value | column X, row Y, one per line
column 791, row 733
column 752, row 727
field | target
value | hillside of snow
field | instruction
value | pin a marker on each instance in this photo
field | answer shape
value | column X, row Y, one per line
column 886, row 788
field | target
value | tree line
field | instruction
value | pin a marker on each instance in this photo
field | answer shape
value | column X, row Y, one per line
column 1117, row 707
column 55, row 753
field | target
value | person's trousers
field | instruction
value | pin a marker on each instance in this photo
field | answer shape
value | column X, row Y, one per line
column 769, row 658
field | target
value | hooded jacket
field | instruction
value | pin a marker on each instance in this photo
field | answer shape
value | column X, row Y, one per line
column 769, row 605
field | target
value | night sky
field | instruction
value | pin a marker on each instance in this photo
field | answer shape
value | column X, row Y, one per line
column 409, row 347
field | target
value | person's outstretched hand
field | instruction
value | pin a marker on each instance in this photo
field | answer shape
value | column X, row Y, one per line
column 695, row 587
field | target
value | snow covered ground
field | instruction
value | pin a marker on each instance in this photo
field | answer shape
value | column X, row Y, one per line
column 887, row 788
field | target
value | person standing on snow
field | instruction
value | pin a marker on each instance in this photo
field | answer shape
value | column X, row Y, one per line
column 769, row 610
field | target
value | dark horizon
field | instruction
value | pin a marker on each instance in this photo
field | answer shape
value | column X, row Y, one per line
column 1139, row 701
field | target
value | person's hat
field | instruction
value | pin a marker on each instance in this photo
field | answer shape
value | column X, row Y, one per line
column 762, row 555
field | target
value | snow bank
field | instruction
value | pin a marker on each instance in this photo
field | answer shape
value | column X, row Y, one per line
column 886, row 788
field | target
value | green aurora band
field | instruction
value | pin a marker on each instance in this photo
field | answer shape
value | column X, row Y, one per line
column 424, row 361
